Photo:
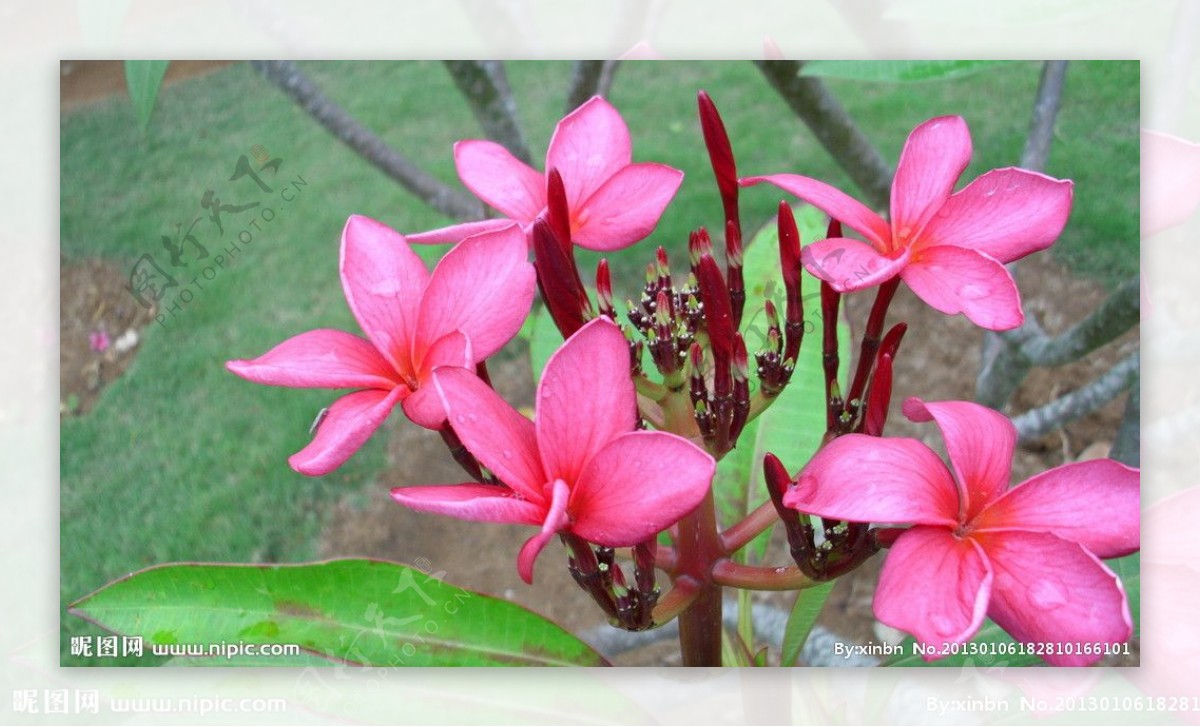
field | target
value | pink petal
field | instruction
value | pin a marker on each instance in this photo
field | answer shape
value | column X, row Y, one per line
column 627, row 207
column 350, row 422
column 500, row 179
column 849, row 264
column 956, row 280
column 934, row 156
column 934, row 586
column 833, row 202
column 556, row 520
column 637, row 486
column 424, row 405
column 1170, row 180
column 1005, row 214
column 483, row 288
column 1094, row 503
column 980, row 442
column 1049, row 590
column 323, row 358
column 585, row 399
column 867, row 479
column 589, row 145
column 493, row 431
column 457, row 233
column 1171, row 523
column 384, row 281
column 478, row 503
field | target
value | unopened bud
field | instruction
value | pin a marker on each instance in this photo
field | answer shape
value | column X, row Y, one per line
column 604, row 289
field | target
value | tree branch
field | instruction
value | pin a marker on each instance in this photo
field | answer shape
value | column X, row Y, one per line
column 1127, row 447
column 812, row 101
column 1015, row 352
column 1003, row 368
column 1041, row 421
column 1045, row 110
column 590, row 78
column 337, row 121
column 484, row 84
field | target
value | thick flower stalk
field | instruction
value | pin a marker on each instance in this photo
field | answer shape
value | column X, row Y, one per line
column 472, row 304
column 580, row 468
column 612, row 202
column 950, row 248
column 1027, row 557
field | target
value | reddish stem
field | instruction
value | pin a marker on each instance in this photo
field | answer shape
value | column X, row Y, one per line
column 870, row 341
column 697, row 549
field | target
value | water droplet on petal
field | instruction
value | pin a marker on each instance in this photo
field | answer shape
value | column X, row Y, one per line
column 1047, row 595
column 507, row 454
column 461, row 419
column 472, row 418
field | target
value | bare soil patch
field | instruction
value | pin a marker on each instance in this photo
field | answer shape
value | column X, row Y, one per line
column 99, row 331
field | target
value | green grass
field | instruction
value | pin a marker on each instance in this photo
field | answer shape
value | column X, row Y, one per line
column 180, row 460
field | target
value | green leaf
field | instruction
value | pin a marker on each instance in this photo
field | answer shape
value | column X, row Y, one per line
column 144, row 78
column 895, row 71
column 1129, row 570
column 794, row 424
column 366, row 612
column 544, row 340
column 809, row 603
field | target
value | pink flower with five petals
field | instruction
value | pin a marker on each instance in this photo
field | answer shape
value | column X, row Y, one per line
column 612, row 202
column 580, row 466
column 1028, row 557
column 949, row 248
column 474, row 302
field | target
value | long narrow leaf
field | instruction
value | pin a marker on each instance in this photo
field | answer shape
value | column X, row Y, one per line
column 809, row 603
column 144, row 79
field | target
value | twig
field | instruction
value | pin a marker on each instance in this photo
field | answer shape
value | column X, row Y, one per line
column 1127, row 447
column 308, row 96
column 590, row 78
column 1045, row 110
column 1038, row 422
column 812, row 101
column 484, row 84
column 1011, row 354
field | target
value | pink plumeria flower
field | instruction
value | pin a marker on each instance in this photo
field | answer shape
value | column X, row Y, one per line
column 580, row 466
column 1171, row 181
column 613, row 203
column 949, row 248
column 1027, row 557
column 474, row 302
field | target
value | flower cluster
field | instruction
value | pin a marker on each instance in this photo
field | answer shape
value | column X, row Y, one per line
column 1028, row 557
column 613, row 458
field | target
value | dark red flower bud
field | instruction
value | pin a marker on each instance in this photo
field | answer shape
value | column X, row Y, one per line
column 557, row 212
column 604, row 297
column 720, row 153
column 733, row 261
column 558, row 280
column 718, row 317
column 834, row 229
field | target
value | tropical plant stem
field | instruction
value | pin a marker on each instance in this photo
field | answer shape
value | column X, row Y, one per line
column 756, row 578
column 748, row 528
column 698, row 549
